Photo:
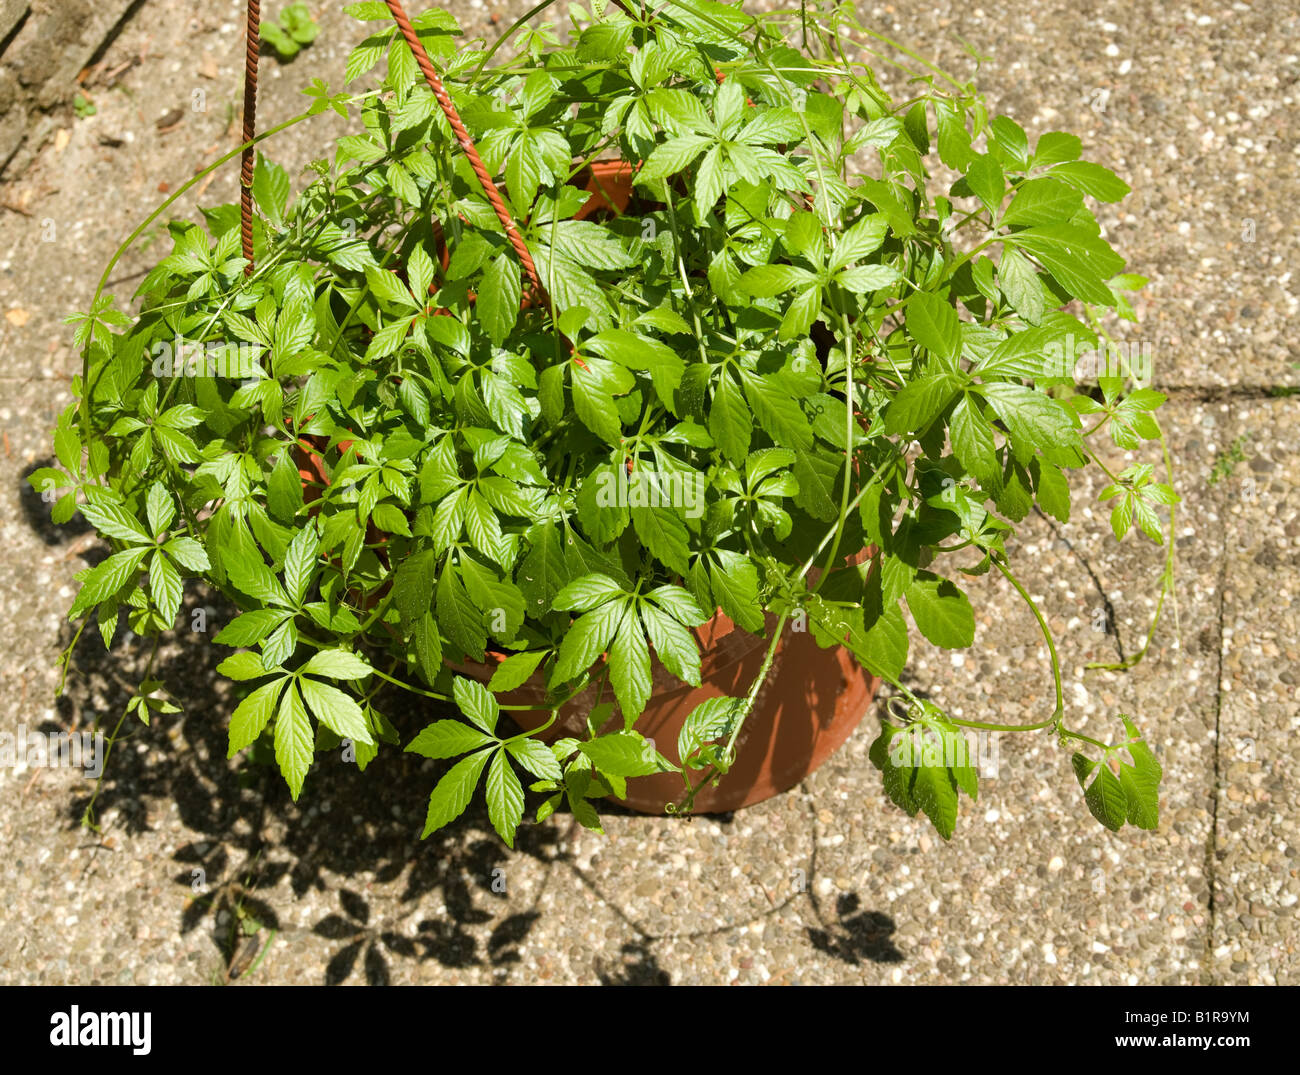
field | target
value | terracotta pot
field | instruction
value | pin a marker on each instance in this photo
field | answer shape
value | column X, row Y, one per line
column 610, row 184
column 811, row 702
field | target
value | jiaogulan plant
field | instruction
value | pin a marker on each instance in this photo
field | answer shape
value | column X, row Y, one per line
column 392, row 451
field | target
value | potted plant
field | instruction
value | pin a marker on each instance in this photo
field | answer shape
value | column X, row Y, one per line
column 638, row 384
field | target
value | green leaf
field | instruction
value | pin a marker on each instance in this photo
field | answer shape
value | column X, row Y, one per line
column 188, row 553
column 818, row 476
column 160, row 507
column 664, row 534
column 113, row 520
column 385, row 284
column 941, row 611
column 985, row 178
column 453, row 792
column 1141, row 780
column 766, row 281
column 243, row 665
column 458, row 616
column 595, row 407
column 270, row 181
column 337, row 664
column 337, row 710
column 730, row 423
column 624, row 754
column 711, row 720
column 923, row 765
column 861, row 239
column 542, row 571
column 972, row 440
column 536, row 757
column 585, row 593
column 953, row 138
column 165, row 587
column 250, row 628
column 1019, row 282
column 413, row 584
column 957, row 753
column 734, row 582
column 635, row 352
column 884, row 754
column 803, row 236
column 1094, row 180
column 709, row 183
column 1043, row 201
column 295, row 744
column 1047, row 350
column 1034, row 421
column 586, row 640
column 476, row 702
column 300, row 563
column 885, row 650
column 419, row 271
column 1053, row 491
column 863, row 279
column 777, row 410
column 934, row 790
column 1010, row 138
column 679, row 604
column 671, row 157
column 252, row 715
column 483, row 526
column 674, row 645
column 428, row 647
column 514, row 671
column 800, row 315
column 447, row 739
column 629, row 668
column 920, row 402
column 505, row 798
column 1057, row 146
column 243, row 562
column 498, row 297
column 934, row 324
column 1081, row 262
column 1105, row 795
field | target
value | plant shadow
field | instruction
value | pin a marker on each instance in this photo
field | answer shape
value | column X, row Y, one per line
column 857, row 936
column 253, row 852
column 251, row 845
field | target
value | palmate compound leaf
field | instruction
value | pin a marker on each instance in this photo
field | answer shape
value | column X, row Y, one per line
column 447, row 738
column 923, row 765
column 1133, row 794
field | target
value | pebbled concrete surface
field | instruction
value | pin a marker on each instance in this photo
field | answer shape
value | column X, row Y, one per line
column 829, row 883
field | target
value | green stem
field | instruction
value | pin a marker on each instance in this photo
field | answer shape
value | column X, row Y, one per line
column 1047, row 634
column 750, row 698
column 848, row 451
